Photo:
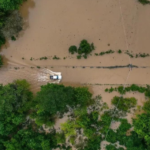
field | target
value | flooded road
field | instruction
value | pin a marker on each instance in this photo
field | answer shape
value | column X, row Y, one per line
column 52, row 26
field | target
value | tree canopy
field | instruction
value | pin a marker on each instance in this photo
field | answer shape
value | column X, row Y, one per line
column 8, row 5
column 14, row 103
column 54, row 98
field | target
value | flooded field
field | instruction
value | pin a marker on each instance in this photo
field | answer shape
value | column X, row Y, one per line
column 51, row 28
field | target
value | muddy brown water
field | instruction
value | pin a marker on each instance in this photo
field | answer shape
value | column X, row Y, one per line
column 51, row 26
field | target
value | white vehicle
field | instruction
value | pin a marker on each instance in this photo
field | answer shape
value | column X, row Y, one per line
column 56, row 77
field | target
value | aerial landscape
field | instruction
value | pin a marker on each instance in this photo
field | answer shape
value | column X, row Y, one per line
column 74, row 75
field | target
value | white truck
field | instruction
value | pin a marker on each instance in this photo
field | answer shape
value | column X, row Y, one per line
column 55, row 77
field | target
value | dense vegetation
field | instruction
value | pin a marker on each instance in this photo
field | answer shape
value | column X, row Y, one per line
column 87, row 126
column 59, row 97
column 10, row 20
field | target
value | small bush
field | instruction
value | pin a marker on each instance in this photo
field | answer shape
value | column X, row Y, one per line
column 55, row 57
column 79, row 57
column 38, row 67
column 119, row 51
column 43, row 58
column 73, row 49
column 13, row 38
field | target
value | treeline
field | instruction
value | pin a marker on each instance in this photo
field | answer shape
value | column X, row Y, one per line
column 23, row 114
column 18, row 105
column 11, row 22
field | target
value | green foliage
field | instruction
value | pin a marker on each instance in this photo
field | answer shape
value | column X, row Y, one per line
column 147, row 92
column 38, row 67
column 141, row 126
column 53, row 98
column 119, row 51
column 144, row 2
column 106, row 52
column 45, row 58
column 79, row 56
column 69, row 128
column 15, row 100
column 132, row 88
column 73, row 49
column 1, row 61
column 30, row 139
column 85, row 56
column 9, row 5
column 82, row 96
column 13, row 38
column 60, row 137
column 94, row 143
column 124, row 104
column 85, row 47
column 129, row 54
column 2, row 40
column 55, row 57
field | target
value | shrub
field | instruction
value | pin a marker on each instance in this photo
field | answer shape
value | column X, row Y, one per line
column 1, row 61
column 144, row 2
column 13, row 38
column 124, row 104
column 119, row 51
column 38, row 67
column 79, row 56
column 85, row 47
column 2, row 40
column 73, row 49
column 55, row 57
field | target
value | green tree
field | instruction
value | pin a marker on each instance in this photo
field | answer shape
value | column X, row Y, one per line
column 85, row 47
column 10, row 4
column 141, row 127
column 15, row 99
column 27, row 139
column 73, row 49
column 54, row 98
